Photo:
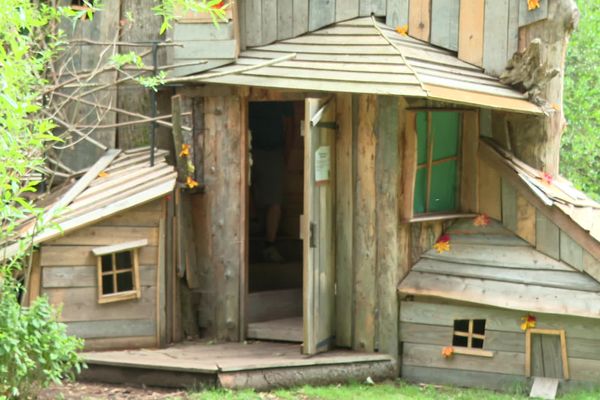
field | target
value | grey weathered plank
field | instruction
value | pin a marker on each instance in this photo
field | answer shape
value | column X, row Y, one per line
column 444, row 23
column 512, row 44
column 527, row 17
column 269, row 16
column 346, row 9
column 387, row 177
column 547, row 236
column 591, row 266
column 320, row 13
column 65, row 277
column 82, row 255
column 570, row 251
column 206, row 49
column 495, row 43
column 285, row 26
column 509, row 206
column 113, row 328
column 253, row 22
column 488, row 380
column 497, row 319
column 300, row 22
column 558, row 279
column 208, row 31
column 397, row 13
column 375, row 7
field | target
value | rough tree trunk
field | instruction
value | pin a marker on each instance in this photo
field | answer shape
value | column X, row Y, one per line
column 537, row 140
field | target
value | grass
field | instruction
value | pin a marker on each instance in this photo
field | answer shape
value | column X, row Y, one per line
column 385, row 391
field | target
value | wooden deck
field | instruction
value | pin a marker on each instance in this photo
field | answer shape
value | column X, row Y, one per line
column 257, row 365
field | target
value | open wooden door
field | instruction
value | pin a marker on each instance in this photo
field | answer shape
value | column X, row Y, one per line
column 318, row 225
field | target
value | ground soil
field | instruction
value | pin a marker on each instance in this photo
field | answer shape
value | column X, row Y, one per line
column 93, row 391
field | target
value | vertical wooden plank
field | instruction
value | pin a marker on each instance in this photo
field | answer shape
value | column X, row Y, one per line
column 343, row 229
column 34, row 282
column 419, row 19
column 509, row 206
column 244, row 210
column 470, row 35
column 409, row 163
column 485, row 122
column 469, row 165
column 285, row 19
column 528, row 353
column 387, row 163
column 495, row 43
column 551, row 356
column 512, row 44
column 269, row 18
column 570, row 251
column 591, row 265
column 527, row 17
column 404, row 234
column 564, row 356
column 320, row 13
column 547, row 238
column 161, row 310
column 444, row 23
column 375, row 7
column 526, row 220
column 169, row 268
column 300, row 15
column 253, row 22
column 241, row 23
column 346, row 9
column 490, row 197
column 397, row 13
column 364, row 243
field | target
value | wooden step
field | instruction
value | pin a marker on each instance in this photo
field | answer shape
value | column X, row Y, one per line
column 283, row 330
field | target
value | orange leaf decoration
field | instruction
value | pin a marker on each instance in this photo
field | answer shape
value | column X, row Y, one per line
column 190, row 182
column 219, row 5
column 533, row 4
column 547, row 178
column 555, row 106
column 481, row 220
column 102, row 174
column 185, row 150
column 447, row 351
column 529, row 321
column 443, row 244
column 403, row 30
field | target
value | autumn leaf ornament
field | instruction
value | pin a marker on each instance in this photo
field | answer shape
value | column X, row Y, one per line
column 481, row 220
column 442, row 245
column 528, row 322
column 190, row 182
column 185, row 150
column 448, row 351
column 403, row 30
column 533, row 4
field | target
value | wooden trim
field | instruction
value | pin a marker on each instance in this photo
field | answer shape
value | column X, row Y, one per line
column 409, row 162
column 135, row 293
column 439, row 217
column 430, row 145
column 473, row 352
column 116, row 248
column 563, row 349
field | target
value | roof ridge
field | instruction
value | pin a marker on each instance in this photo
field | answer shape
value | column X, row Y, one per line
column 397, row 48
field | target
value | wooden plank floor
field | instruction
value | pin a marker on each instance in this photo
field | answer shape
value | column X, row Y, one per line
column 258, row 365
column 285, row 330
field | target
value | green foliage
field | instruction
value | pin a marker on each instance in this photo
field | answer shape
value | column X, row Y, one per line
column 166, row 9
column 580, row 150
column 34, row 347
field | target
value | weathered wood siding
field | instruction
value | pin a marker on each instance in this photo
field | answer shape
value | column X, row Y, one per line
column 69, row 279
column 426, row 326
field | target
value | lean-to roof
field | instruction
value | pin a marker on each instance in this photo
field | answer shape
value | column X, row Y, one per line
column 118, row 181
column 490, row 265
column 366, row 56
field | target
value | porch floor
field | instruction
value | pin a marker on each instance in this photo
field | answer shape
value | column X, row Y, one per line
column 258, row 365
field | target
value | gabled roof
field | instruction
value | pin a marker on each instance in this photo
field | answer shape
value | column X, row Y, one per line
column 492, row 266
column 118, row 181
column 567, row 207
column 366, row 56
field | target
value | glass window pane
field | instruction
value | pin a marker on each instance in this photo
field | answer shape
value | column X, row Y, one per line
column 421, row 137
column 479, row 326
column 124, row 260
column 107, row 284
column 443, row 187
column 445, row 127
column 420, row 191
column 460, row 341
column 125, row 281
column 477, row 343
column 106, row 262
column 461, row 325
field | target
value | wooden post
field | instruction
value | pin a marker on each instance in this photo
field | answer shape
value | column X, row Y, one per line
column 178, row 136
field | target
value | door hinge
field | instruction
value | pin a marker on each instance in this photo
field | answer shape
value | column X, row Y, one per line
column 312, row 240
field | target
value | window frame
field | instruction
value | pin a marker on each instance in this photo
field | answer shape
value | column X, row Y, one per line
column 467, row 165
column 470, row 335
column 132, row 247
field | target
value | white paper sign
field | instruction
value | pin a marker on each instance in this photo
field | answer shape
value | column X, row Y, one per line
column 322, row 164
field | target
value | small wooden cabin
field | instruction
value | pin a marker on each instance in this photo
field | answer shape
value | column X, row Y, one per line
column 103, row 266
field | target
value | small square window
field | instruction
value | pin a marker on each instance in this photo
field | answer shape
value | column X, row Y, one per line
column 118, row 271
column 469, row 333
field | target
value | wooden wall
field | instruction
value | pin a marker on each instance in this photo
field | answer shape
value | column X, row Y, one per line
column 426, row 326
column 68, row 278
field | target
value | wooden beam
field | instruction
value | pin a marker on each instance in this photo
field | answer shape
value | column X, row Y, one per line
column 409, row 164
column 469, row 194
column 419, row 19
column 470, row 35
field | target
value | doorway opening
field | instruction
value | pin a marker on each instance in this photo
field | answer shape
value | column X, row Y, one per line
column 275, row 272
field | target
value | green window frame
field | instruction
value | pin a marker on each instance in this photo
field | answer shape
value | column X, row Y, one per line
column 438, row 160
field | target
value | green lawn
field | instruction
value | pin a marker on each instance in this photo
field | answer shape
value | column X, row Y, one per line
column 383, row 391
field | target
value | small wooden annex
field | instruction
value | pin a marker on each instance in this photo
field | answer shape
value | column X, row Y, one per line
column 102, row 266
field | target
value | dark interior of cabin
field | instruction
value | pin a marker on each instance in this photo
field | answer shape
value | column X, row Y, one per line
column 276, row 203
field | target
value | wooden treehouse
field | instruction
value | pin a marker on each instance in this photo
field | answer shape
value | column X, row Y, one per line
column 423, row 229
